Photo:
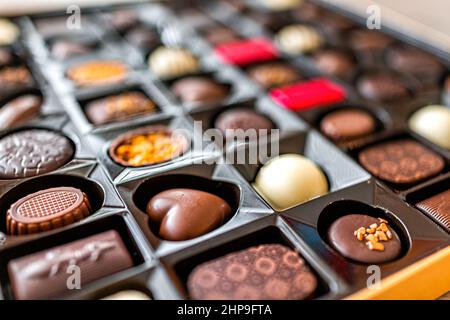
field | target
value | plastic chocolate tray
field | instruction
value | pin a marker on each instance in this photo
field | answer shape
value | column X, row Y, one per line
column 119, row 194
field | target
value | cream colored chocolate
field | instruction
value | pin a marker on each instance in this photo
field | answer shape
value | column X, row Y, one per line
column 289, row 180
column 172, row 62
column 9, row 32
column 127, row 295
column 433, row 123
column 279, row 5
column 298, row 39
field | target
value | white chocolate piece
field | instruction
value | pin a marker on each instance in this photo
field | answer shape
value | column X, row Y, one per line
column 299, row 39
column 279, row 5
column 172, row 62
column 9, row 32
column 289, row 180
column 128, row 295
column 433, row 123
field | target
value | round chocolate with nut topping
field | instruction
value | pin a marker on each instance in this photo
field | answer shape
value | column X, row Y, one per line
column 342, row 237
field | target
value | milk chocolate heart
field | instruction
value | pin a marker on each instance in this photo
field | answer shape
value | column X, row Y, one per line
column 184, row 214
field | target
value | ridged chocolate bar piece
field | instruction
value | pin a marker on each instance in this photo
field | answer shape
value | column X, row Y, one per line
column 438, row 207
column 49, row 274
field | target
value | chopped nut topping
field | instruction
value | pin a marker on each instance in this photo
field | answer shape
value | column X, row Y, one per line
column 374, row 235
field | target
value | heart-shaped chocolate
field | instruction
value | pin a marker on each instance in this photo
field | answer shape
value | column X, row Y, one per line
column 184, row 214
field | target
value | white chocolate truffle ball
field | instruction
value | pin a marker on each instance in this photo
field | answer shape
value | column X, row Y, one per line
column 9, row 32
column 299, row 39
column 172, row 62
column 289, row 180
column 433, row 123
column 279, row 5
column 128, row 295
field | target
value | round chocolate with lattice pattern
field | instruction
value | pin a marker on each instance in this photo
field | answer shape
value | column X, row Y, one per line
column 402, row 161
column 32, row 152
column 47, row 210
column 266, row 272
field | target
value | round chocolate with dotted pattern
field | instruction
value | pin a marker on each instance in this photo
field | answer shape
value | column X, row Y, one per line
column 46, row 210
column 32, row 152
column 266, row 272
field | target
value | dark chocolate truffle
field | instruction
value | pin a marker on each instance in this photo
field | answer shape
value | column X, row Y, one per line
column 63, row 49
column 220, row 34
column 43, row 275
column 347, row 124
column 334, row 62
column 343, row 236
column 413, row 61
column 32, row 152
column 119, row 107
column 273, row 74
column 368, row 40
column 438, row 208
column 47, row 210
column 382, row 87
column 15, row 77
column 143, row 38
column 265, row 272
column 244, row 119
column 198, row 90
column 183, row 214
column 19, row 110
column 6, row 57
column 403, row 161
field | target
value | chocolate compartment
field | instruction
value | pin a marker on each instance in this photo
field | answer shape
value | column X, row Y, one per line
column 219, row 179
column 415, row 230
column 151, row 187
column 270, row 230
column 112, row 222
column 338, row 209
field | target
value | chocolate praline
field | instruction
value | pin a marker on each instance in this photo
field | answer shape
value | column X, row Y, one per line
column 63, row 49
column 242, row 118
column 334, row 62
column 368, row 40
column 6, row 57
column 438, row 207
column 28, row 153
column 183, row 214
column 347, row 124
column 342, row 238
column 19, row 110
column 143, row 38
column 198, row 90
column 264, row 272
column 273, row 74
column 382, row 87
column 413, row 61
column 220, row 34
column 402, row 162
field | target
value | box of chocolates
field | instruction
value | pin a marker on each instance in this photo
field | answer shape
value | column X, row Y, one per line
column 230, row 149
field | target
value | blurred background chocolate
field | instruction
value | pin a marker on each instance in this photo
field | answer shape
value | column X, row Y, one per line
column 142, row 37
column 382, row 87
column 47, row 210
column 168, row 62
column 6, row 57
column 245, row 119
column 200, row 90
column 9, row 32
column 335, row 62
column 128, row 295
column 347, row 124
column 299, row 39
column 123, row 19
column 97, row 256
column 433, row 123
column 183, row 214
column 119, row 107
column 19, row 110
column 65, row 48
column 14, row 77
column 273, row 74
column 220, row 34
column 32, row 152
column 266, row 272
column 97, row 73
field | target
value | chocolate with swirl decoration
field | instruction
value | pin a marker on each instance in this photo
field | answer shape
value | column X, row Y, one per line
column 46, row 274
